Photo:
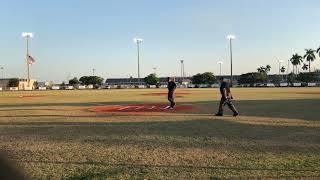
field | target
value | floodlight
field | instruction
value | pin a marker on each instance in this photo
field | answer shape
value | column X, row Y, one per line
column 231, row 37
column 137, row 40
column 27, row 34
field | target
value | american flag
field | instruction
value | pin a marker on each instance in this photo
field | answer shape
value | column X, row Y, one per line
column 31, row 60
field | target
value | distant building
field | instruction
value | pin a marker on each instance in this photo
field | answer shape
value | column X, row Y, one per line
column 163, row 80
column 136, row 81
column 23, row 84
column 4, row 83
column 45, row 84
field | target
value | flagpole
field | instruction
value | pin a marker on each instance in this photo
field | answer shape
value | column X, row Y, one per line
column 27, row 36
column 27, row 59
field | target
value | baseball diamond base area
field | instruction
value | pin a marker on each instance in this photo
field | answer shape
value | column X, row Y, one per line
column 130, row 134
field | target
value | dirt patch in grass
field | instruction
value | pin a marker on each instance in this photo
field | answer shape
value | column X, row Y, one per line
column 308, row 92
column 142, row 108
column 30, row 96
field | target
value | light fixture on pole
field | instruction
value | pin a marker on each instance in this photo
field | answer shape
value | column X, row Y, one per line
column 220, row 64
column 231, row 38
column 155, row 70
column 27, row 36
column 138, row 41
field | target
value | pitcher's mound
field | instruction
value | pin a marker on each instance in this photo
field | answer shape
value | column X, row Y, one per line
column 141, row 108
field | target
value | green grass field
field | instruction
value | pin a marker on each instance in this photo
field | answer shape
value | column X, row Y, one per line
column 54, row 135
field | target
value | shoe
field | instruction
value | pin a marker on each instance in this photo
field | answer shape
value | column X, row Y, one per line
column 235, row 114
column 218, row 114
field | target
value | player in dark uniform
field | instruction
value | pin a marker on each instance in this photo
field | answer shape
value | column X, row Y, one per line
column 171, row 88
column 226, row 98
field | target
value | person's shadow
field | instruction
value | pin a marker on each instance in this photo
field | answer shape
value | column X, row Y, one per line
column 9, row 170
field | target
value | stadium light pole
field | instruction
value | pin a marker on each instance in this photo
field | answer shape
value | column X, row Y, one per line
column 2, row 71
column 138, row 41
column 93, row 71
column 288, row 70
column 182, row 69
column 220, row 64
column 27, row 36
column 231, row 38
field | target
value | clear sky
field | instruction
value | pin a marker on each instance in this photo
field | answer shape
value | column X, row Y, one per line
column 74, row 36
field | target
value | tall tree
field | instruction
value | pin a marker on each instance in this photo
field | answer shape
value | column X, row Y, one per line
column 204, row 78
column 209, row 78
column 197, row 79
column 151, row 79
column 261, row 70
column 252, row 78
column 310, row 57
column 13, row 82
column 291, row 77
column 282, row 70
column 91, row 80
column 74, row 81
column 264, row 70
column 305, row 67
column 318, row 51
column 307, row 77
column 296, row 60
column 268, row 68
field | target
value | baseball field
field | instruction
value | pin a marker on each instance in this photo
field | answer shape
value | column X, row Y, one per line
column 128, row 134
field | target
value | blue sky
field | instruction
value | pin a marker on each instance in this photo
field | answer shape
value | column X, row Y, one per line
column 73, row 37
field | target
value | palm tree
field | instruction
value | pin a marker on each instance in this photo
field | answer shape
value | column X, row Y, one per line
column 310, row 56
column 305, row 67
column 261, row 70
column 296, row 60
column 268, row 68
column 264, row 70
column 282, row 70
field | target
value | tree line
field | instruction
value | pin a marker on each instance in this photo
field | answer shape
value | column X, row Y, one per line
column 86, row 80
column 200, row 78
